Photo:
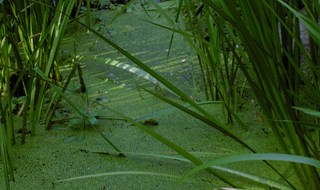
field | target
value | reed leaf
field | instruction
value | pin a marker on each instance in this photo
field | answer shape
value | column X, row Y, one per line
column 119, row 173
column 272, row 71
column 256, row 157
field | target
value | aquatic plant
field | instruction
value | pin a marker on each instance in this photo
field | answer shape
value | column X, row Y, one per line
column 28, row 42
column 219, row 71
column 275, row 73
column 284, row 86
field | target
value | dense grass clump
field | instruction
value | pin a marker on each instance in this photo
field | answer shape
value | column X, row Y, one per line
column 241, row 45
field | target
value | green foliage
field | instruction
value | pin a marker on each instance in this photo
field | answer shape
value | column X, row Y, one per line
column 264, row 42
column 28, row 41
column 275, row 69
column 264, row 47
column 255, row 157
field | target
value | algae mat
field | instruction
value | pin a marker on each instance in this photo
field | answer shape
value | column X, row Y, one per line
column 72, row 149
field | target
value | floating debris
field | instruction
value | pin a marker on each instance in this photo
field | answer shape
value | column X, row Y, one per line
column 102, row 100
column 150, row 122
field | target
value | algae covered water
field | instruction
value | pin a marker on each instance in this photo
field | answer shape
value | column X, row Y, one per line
column 73, row 155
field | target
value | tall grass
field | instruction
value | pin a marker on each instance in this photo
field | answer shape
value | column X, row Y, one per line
column 264, row 40
column 269, row 32
column 276, row 73
column 31, row 33
column 219, row 70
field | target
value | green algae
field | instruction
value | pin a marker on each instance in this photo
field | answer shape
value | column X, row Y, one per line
column 74, row 149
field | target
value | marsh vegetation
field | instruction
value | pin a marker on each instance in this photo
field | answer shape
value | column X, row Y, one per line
column 177, row 94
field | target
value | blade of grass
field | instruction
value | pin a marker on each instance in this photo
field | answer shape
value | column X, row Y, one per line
column 119, row 173
column 256, row 157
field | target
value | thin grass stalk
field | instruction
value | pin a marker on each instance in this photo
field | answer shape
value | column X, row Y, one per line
column 55, row 101
column 313, row 12
column 20, row 32
column 4, row 159
column 197, row 21
column 275, row 105
column 54, row 32
column 6, row 51
column 82, row 84
column 218, row 74
column 37, row 41
column 6, row 123
column 226, row 73
column 256, row 157
column 299, row 130
column 24, row 26
column 6, row 149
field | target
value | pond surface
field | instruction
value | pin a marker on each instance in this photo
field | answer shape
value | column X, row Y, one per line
column 74, row 149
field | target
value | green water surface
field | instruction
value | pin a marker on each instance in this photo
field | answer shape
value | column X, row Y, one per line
column 73, row 149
